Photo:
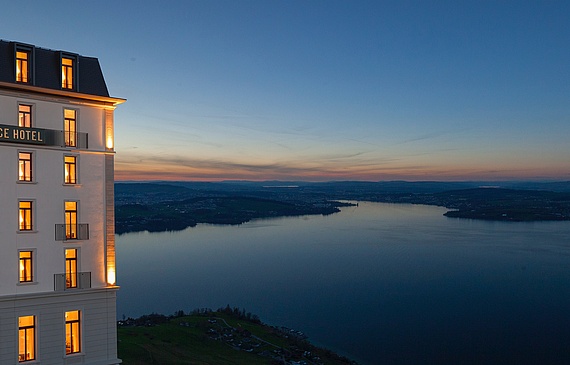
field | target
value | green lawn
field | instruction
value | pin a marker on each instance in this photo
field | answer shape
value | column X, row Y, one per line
column 200, row 340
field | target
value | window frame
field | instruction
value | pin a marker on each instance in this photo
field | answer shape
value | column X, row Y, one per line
column 71, row 219
column 22, row 173
column 73, row 327
column 21, row 63
column 29, row 335
column 23, row 216
column 29, row 113
column 71, row 269
column 68, row 71
column 70, row 172
column 22, row 66
column 70, row 136
column 28, row 265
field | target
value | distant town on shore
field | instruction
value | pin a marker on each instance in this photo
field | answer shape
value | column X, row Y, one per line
column 171, row 206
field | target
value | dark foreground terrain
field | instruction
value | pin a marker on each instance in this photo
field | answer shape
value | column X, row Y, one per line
column 205, row 337
column 172, row 206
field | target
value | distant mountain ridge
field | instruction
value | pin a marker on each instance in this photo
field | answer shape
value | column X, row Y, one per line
column 400, row 186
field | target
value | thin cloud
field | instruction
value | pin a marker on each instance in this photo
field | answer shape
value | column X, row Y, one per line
column 432, row 135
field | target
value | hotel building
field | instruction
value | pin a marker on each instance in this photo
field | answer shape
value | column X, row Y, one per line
column 57, row 243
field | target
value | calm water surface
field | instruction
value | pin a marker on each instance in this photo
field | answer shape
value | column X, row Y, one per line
column 380, row 283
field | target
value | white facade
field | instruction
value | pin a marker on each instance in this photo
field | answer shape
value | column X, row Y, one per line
column 37, row 283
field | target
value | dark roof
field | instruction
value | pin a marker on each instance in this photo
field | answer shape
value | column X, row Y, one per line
column 46, row 69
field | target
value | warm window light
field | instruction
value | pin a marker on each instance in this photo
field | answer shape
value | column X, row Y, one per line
column 67, row 73
column 22, row 66
column 109, row 142
column 70, row 166
column 111, row 279
column 22, row 271
column 72, row 332
column 26, row 336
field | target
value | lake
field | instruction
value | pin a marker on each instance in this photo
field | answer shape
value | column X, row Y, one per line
column 379, row 283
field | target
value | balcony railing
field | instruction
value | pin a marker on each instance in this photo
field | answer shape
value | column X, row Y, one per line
column 75, row 140
column 73, row 281
column 45, row 137
column 68, row 232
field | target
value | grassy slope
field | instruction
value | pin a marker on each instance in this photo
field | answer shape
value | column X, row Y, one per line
column 171, row 343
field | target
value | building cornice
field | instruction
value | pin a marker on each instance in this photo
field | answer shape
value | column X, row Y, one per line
column 58, row 294
column 105, row 100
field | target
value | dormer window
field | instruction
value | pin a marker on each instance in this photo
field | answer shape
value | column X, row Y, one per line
column 67, row 73
column 23, row 66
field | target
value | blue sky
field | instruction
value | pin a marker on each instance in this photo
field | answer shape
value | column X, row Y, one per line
column 324, row 90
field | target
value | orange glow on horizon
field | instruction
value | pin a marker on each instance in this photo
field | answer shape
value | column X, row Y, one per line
column 145, row 167
column 147, row 173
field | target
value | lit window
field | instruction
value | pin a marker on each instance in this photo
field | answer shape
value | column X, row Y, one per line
column 70, row 169
column 71, row 220
column 24, row 166
column 70, row 127
column 25, row 216
column 71, row 268
column 66, row 73
column 24, row 115
column 26, row 273
column 27, row 338
column 72, row 332
column 22, row 66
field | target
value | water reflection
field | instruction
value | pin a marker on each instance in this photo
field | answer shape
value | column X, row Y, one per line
column 380, row 282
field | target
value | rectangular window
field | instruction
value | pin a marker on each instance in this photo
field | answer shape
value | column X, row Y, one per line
column 24, row 166
column 25, row 216
column 27, row 338
column 70, row 127
column 71, row 220
column 72, row 332
column 70, row 169
column 71, row 268
column 26, row 268
column 22, row 66
column 24, row 115
column 67, row 73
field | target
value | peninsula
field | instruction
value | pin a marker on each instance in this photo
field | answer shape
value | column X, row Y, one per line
column 169, row 206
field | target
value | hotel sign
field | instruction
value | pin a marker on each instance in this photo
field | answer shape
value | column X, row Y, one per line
column 10, row 133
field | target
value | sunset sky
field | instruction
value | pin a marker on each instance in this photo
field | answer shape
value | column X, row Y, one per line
column 324, row 90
